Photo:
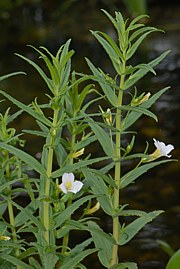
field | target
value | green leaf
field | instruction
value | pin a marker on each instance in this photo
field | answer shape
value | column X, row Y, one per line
column 125, row 265
column 103, row 138
column 71, row 263
column 11, row 75
column 80, row 247
column 100, row 190
column 22, row 216
column 129, row 231
column 110, row 51
column 76, row 166
column 27, row 109
column 103, row 242
column 26, row 212
column 34, row 263
column 37, row 133
column 15, row 261
column 143, row 71
column 63, row 216
column 40, row 71
column 140, row 110
column 7, row 184
column 136, row 44
column 31, row 161
column 132, row 175
column 107, row 89
column 174, row 261
column 165, row 247
column 134, row 115
column 131, row 212
column 49, row 260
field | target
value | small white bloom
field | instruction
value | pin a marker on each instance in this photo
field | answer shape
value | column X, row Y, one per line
column 69, row 184
column 161, row 149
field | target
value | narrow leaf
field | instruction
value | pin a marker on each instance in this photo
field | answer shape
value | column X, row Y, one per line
column 11, row 75
column 131, row 176
column 125, row 265
column 27, row 109
column 31, row 161
column 15, row 261
column 143, row 71
column 107, row 89
column 134, row 115
column 103, row 242
column 129, row 231
column 72, row 262
column 40, row 71
column 63, row 216
column 100, row 190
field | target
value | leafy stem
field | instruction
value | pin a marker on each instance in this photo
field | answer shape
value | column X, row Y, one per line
column 117, row 176
column 66, row 236
column 46, row 216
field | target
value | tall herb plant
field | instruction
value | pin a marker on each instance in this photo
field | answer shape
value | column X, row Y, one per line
column 65, row 180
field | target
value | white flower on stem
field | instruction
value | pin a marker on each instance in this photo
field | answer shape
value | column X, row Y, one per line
column 69, row 184
column 161, row 149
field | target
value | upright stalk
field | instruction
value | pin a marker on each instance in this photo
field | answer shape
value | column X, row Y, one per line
column 117, row 176
column 66, row 237
column 10, row 208
column 46, row 213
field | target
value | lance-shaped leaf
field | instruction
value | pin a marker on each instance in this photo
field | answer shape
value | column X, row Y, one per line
column 143, row 71
column 103, row 242
column 27, row 109
column 137, row 43
column 140, row 110
column 100, row 190
column 125, row 265
column 113, row 54
column 31, row 161
column 15, row 261
column 73, row 262
column 11, row 75
column 133, row 116
column 49, row 260
column 129, row 231
column 60, row 218
column 132, row 175
column 103, row 138
column 76, row 166
column 40, row 71
column 107, row 89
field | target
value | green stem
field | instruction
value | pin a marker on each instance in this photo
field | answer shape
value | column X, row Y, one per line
column 66, row 237
column 10, row 207
column 46, row 212
column 117, row 176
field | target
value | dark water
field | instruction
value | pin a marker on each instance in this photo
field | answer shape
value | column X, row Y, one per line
column 51, row 25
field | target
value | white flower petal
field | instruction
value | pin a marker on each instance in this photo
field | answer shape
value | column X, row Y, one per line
column 68, row 177
column 163, row 149
column 77, row 185
column 69, row 185
column 62, row 186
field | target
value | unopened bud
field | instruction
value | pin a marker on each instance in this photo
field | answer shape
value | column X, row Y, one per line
column 77, row 153
column 93, row 209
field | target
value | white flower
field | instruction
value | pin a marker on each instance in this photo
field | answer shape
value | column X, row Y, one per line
column 161, row 149
column 69, row 184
